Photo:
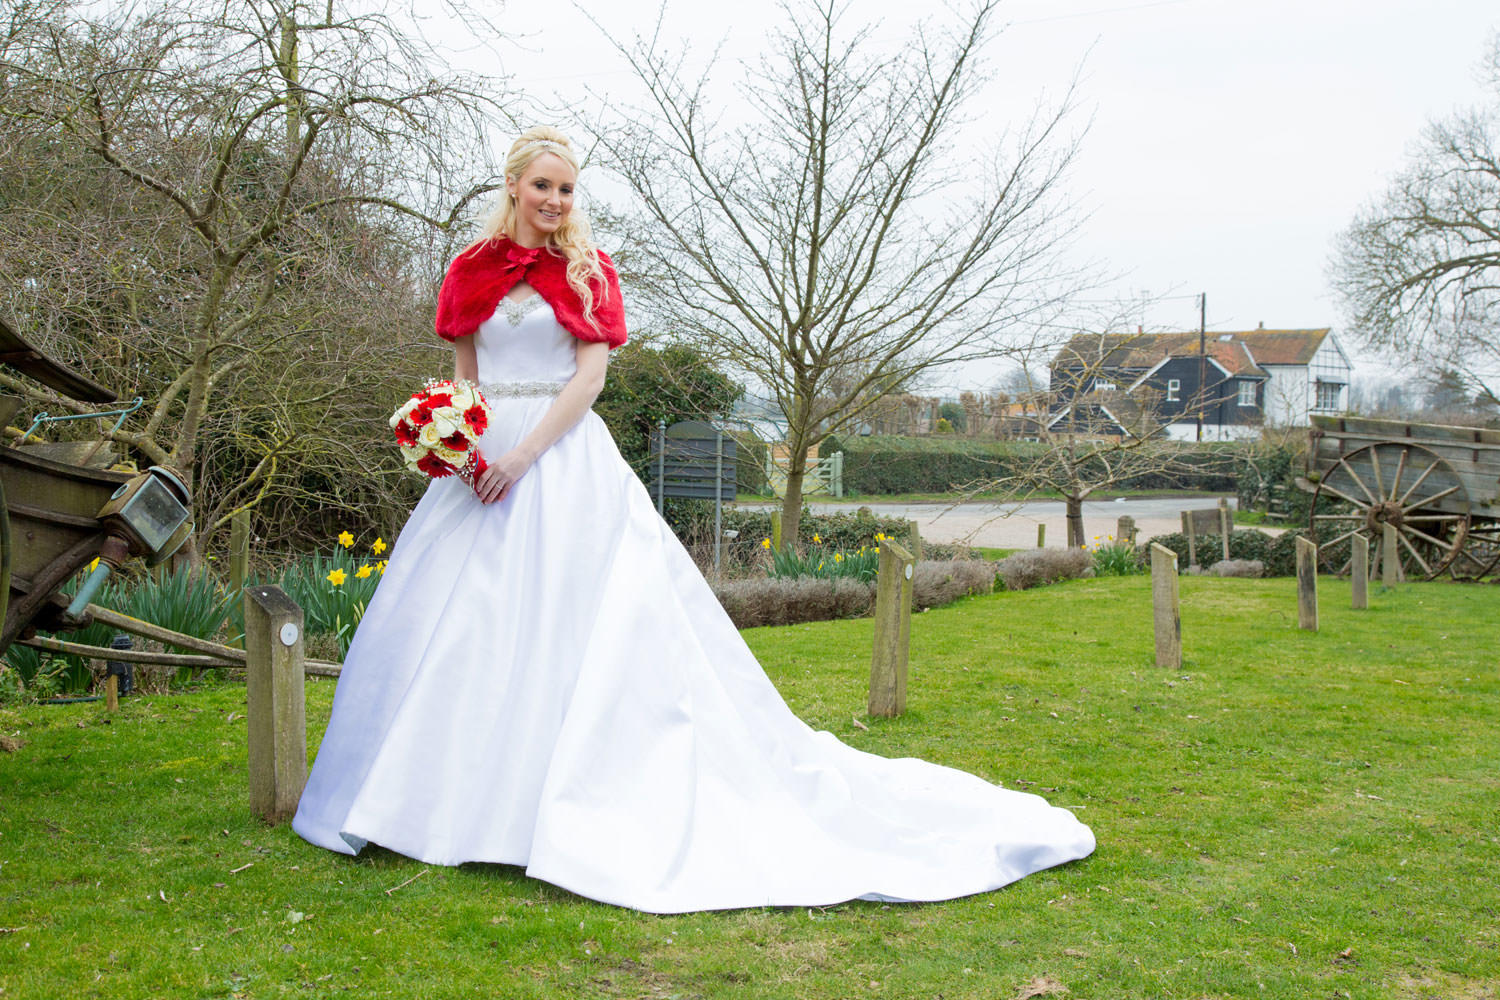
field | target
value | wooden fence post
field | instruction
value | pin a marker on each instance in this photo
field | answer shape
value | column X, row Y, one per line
column 776, row 531
column 916, row 541
column 1041, row 536
column 1187, row 529
column 1165, row 607
column 1307, row 584
column 1390, row 557
column 239, row 550
column 892, row 631
column 239, row 558
column 275, row 712
column 1226, row 523
column 1359, row 571
column 1125, row 530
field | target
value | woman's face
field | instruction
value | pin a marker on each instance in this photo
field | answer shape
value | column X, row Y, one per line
column 544, row 196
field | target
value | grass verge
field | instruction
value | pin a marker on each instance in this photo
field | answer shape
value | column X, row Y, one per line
column 1290, row 815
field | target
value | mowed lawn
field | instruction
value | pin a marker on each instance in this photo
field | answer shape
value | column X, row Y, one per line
column 1290, row 815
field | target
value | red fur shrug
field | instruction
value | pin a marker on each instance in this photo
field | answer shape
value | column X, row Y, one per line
column 480, row 276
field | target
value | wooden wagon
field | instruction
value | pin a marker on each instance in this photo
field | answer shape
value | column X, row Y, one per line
column 59, row 509
column 1437, row 486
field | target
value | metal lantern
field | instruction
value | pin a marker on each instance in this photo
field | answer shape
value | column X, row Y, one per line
column 151, row 512
column 148, row 516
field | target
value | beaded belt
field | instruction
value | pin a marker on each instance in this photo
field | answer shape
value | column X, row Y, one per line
column 496, row 390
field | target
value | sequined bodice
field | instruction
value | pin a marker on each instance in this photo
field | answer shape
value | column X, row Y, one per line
column 523, row 343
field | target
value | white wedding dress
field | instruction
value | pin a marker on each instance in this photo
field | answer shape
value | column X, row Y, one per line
column 548, row 681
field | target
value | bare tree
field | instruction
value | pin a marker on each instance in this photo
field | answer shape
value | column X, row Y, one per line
column 835, row 245
column 1419, row 269
column 235, row 209
column 1098, row 436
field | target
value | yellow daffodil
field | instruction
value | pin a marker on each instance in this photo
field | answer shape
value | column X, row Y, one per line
column 364, row 572
column 820, row 564
column 346, row 539
column 337, row 577
column 378, row 546
column 381, row 566
column 838, row 557
column 816, row 538
column 765, row 543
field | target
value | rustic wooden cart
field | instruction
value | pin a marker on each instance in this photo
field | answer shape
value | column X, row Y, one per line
column 57, row 505
column 1437, row 486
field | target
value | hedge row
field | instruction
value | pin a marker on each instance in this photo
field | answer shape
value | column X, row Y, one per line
column 881, row 464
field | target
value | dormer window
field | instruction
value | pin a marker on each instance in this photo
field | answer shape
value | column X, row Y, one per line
column 1247, row 392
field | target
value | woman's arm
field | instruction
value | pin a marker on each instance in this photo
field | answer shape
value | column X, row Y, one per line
column 465, row 360
column 571, row 404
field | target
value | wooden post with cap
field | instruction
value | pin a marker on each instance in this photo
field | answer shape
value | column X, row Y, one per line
column 1164, row 602
column 275, row 713
column 892, row 631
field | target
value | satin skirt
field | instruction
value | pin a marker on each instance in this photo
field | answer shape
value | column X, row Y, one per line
column 549, row 682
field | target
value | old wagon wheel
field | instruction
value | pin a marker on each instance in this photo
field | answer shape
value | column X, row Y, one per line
column 1407, row 486
column 1481, row 554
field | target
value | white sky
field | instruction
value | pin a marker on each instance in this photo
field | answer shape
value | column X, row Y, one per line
column 1230, row 140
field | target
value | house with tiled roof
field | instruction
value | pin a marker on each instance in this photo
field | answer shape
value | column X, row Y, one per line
column 1234, row 382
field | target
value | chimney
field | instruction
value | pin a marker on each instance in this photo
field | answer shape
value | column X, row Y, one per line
column 1140, row 329
column 1261, row 325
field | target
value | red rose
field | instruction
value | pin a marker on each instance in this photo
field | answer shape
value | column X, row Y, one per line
column 457, row 441
column 434, row 466
column 477, row 418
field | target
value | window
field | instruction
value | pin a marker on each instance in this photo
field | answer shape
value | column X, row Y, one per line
column 1247, row 392
column 1104, row 385
column 1329, row 394
column 1174, row 386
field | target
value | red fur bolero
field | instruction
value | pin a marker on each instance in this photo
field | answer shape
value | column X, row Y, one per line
column 480, row 276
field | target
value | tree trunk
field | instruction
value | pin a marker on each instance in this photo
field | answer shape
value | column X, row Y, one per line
column 791, row 504
column 1075, row 522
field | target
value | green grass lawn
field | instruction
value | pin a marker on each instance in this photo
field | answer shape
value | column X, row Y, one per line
column 1290, row 815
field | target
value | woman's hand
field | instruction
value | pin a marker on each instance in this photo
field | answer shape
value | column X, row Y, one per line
column 495, row 482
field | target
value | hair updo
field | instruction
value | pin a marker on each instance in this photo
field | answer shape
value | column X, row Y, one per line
column 573, row 238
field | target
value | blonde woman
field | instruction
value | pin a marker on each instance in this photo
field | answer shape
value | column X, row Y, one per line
column 544, row 679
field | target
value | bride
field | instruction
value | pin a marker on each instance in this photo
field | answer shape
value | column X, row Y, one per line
column 544, row 678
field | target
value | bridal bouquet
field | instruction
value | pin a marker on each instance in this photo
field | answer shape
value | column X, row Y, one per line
column 439, row 426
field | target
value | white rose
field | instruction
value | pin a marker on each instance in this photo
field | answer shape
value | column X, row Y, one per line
column 447, row 419
column 428, row 436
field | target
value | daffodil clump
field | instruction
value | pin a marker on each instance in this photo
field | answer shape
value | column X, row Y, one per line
column 1112, row 558
column 335, row 587
column 825, row 561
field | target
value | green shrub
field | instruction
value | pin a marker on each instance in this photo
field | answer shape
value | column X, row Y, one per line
column 1278, row 553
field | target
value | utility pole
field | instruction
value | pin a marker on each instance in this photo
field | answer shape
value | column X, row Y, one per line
column 1202, row 357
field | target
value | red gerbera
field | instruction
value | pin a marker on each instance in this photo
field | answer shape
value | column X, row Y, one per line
column 456, row 441
column 478, row 418
column 438, row 399
column 406, row 434
column 434, row 466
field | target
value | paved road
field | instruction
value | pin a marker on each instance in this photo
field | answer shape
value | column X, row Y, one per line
column 1014, row 525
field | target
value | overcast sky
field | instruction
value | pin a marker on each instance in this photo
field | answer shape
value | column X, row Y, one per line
column 1230, row 141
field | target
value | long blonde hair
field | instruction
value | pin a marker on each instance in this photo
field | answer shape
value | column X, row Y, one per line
column 574, row 238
